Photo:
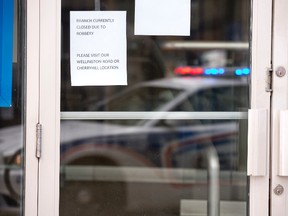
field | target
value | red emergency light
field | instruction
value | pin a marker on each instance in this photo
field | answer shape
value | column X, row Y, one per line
column 189, row 70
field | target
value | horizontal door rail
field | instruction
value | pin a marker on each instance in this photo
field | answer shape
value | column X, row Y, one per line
column 187, row 45
column 147, row 175
column 153, row 115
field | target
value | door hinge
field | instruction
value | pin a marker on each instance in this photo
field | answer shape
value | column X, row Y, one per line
column 38, row 140
column 269, row 74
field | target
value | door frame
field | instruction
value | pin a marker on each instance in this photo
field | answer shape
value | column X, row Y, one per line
column 261, row 36
column 279, row 163
column 42, row 107
column 32, row 107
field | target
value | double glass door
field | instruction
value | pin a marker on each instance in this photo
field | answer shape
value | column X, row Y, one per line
column 145, row 120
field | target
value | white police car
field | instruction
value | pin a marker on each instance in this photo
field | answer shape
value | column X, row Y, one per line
column 155, row 161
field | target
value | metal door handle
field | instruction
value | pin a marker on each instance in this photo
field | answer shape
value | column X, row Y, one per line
column 213, row 207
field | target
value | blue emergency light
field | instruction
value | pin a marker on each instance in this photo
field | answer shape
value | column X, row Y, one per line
column 6, row 51
column 214, row 71
column 242, row 71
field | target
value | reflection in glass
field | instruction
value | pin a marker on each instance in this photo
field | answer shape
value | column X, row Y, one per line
column 148, row 168
column 160, row 166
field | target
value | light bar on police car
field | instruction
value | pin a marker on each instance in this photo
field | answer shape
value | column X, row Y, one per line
column 211, row 71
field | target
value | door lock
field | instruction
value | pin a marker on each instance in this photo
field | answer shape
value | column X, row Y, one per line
column 280, row 71
column 278, row 190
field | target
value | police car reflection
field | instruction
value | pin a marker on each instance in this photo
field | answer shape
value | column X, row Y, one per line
column 152, row 162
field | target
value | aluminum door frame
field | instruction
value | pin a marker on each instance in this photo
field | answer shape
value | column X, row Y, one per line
column 279, row 172
column 43, row 106
column 32, row 107
column 260, row 100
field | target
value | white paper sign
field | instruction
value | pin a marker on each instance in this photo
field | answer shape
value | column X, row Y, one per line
column 162, row 17
column 98, row 48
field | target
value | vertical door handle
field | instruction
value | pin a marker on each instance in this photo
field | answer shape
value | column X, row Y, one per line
column 213, row 207
column 257, row 142
column 283, row 143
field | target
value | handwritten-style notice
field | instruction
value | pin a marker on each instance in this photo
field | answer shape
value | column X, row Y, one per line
column 98, row 48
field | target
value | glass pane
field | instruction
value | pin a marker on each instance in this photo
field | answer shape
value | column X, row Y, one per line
column 12, row 115
column 148, row 148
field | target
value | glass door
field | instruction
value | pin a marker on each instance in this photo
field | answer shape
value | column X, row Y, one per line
column 173, row 139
